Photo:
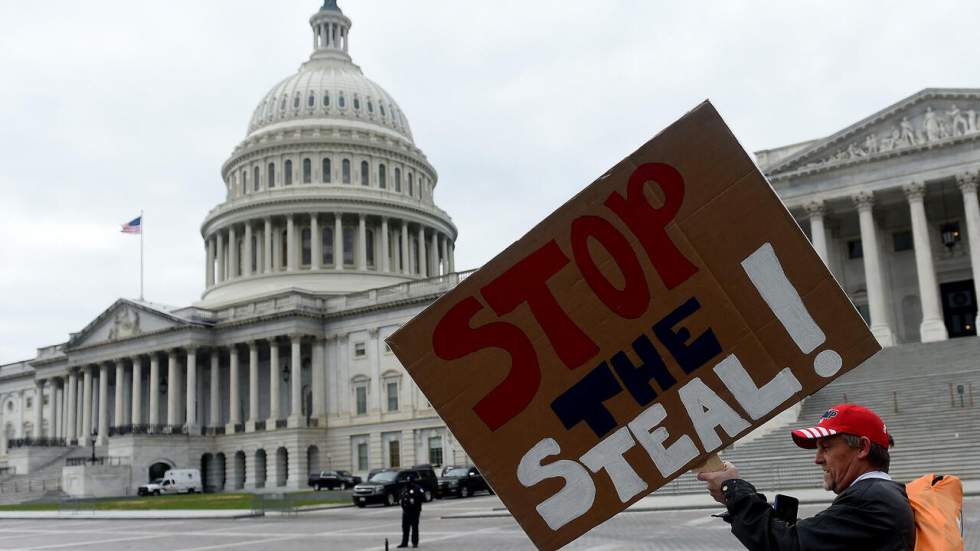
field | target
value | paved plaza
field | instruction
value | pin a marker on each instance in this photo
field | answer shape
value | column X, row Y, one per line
column 366, row 529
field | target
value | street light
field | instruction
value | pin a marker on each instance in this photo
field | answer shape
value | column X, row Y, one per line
column 93, row 437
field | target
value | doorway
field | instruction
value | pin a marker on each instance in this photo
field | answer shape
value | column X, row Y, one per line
column 157, row 470
column 959, row 308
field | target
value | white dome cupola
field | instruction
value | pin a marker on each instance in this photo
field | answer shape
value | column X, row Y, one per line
column 328, row 192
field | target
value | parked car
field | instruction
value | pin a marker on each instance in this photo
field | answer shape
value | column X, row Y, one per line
column 330, row 480
column 174, row 481
column 386, row 486
column 350, row 479
column 463, row 482
column 447, row 468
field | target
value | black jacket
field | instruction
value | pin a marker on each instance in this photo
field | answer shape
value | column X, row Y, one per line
column 412, row 498
column 872, row 515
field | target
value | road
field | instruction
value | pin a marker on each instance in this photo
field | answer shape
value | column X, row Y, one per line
column 366, row 529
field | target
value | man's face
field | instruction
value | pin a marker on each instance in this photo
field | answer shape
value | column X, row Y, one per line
column 839, row 461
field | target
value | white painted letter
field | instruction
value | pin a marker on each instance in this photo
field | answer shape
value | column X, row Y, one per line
column 707, row 410
column 608, row 455
column 667, row 460
column 757, row 401
column 572, row 501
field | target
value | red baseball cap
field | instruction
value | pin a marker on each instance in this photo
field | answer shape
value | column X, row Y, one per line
column 844, row 418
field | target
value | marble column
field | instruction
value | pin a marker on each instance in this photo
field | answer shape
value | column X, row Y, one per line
column 338, row 241
column 234, row 411
column 423, row 258
column 232, row 253
column 137, row 409
column 72, row 407
column 37, row 418
column 452, row 257
column 59, row 408
column 103, row 437
column 932, row 328
column 874, row 279
column 316, row 242
column 172, row 388
column 290, row 244
column 405, row 258
column 86, row 404
column 971, row 209
column 118, row 402
column 221, row 255
column 385, row 247
column 253, row 383
column 443, row 255
column 214, row 379
column 361, row 248
column 190, row 413
column 52, row 408
column 296, row 380
column 267, row 239
column 818, row 234
column 21, row 410
column 209, row 272
column 274, row 409
column 154, row 400
column 247, row 271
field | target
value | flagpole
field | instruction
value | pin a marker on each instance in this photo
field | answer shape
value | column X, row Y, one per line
column 142, row 227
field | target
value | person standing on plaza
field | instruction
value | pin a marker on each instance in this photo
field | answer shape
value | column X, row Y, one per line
column 411, row 502
column 871, row 512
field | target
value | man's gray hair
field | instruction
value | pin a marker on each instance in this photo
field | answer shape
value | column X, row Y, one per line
column 878, row 456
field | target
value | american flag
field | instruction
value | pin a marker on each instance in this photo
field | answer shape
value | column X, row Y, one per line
column 134, row 226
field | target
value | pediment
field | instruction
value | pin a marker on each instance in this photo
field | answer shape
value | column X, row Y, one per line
column 932, row 118
column 125, row 319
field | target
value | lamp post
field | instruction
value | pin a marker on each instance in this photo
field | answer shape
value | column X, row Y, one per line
column 93, row 438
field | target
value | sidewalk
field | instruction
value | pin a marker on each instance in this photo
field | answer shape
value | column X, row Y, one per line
column 161, row 514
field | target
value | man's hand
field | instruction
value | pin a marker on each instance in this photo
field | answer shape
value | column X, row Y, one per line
column 716, row 479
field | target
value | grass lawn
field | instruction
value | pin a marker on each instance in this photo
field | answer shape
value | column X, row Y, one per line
column 176, row 502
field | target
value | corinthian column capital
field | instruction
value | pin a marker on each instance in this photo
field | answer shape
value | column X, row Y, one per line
column 967, row 182
column 863, row 200
column 914, row 191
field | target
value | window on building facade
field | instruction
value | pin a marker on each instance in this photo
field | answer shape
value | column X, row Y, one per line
column 362, row 456
column 369, row 248
column 311, row 101
column 326, row 99
column 435, row 450
column 272, row 175
column 325, row 177
column 44, row 400
column 357, row 103
column 392, row 395
column 382, row 108
column 365, row 173
column 360, row 349
column 394, row 454
column 307, row 171
column 902, row 241
column 345, row 171
column 28, row 402
column 348, row 245
column 244, row 181
column 307, row 247
column 341, row 102
column 288, row 173
column 255, row 179
column 370, row 107
column 382, row 176
column 327, row 245
column 360, row 398
column 411, row 184
column 284, row 248
column 854, row 249
column 398, row 180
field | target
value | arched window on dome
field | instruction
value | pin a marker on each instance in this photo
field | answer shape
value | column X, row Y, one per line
column 370, row 106
column 398, row 180
column 369, row 248
column 411, row 184
column 357, row 103
column 326, row 242
column 381, row 106
column 255, row 179
column 244, row 181
column 345, row 171
column 282, row 104
column 326, row 99
column 349, row 246
column 382, row 176
column 307, row 171
column 341, row 101
column 325, row 176
column 311, row 101
column 296, row 101
column 288, row 173
column 271, row 175
column 307, row 256
column 365, row 173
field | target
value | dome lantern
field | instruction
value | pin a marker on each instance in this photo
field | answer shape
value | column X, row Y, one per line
column 330, row 32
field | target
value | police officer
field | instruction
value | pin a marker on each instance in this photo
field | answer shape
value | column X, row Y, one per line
column 411, row 502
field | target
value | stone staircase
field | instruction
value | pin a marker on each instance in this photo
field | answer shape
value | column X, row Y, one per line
column 916, row 390
column 44, row 481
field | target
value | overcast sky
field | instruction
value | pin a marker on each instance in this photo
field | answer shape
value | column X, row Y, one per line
column 109, row 107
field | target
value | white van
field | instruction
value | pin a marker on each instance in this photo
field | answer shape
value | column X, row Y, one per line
column 174, row 481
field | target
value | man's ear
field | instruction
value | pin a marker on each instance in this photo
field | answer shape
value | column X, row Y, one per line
column 865, row 449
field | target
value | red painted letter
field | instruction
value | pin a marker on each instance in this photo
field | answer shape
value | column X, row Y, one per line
column 453, row 338
column 527, row 281
column 632, row 300
column 648, row 223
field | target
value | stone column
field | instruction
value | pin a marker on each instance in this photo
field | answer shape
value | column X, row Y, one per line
column 253, row 384
column 247, row 271
column 818, row 234
column 209, row 272
column 86, row 404
column 221, row 255
column 215, row 382
column 318, row 365
column 290, row 244
column 443, row 254
column 932, row 327
column 267, row 238
column 103, row 438
column 172, row 389
column 338, row 240
column 232, row 253
column 361, row 248
column 117, row 410
column 423, row 258
column 971, row 209
column 296, row 381
column 53, row 408
column 405, row 258
column 452, row 257
column 154, row 400
column 385, row 252
column 434, row 256
column 58, row 409
column 234, row 401
column 880, row 326
column 190, row 408
column 72, row 407
column 316, row 242
column 36, row 412
column 274, row 408
column 137, row 410
column 21, row 410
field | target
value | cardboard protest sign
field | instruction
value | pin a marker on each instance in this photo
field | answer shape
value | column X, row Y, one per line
column 670, row 307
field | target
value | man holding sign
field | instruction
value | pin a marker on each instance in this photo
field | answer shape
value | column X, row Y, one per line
column 666, row 310
column 870, row 512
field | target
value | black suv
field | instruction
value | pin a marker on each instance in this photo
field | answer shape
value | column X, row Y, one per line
column 462, row 482
column 386, row 486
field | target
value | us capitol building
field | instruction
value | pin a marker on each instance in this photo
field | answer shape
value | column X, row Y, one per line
column 329, row 239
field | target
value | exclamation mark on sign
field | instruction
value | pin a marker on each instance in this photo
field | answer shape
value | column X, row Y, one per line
column 768, row 277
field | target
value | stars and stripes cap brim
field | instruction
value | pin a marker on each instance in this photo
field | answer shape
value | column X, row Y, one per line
column 807, row 438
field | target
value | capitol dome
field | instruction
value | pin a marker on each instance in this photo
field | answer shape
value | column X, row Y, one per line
column 328, row 192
